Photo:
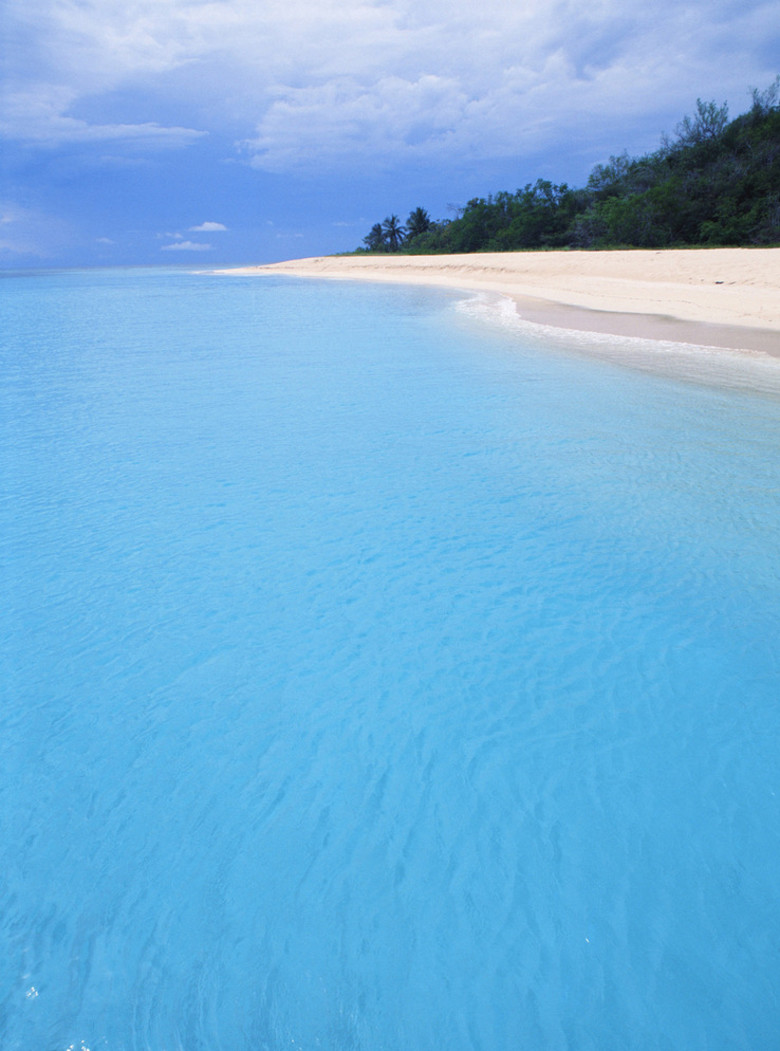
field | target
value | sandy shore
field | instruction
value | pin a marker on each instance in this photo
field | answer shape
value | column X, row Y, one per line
column 722, row 297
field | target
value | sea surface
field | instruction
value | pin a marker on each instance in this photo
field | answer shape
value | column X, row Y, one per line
column 378, row 675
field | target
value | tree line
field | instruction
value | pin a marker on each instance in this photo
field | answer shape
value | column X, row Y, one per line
column 715, row 182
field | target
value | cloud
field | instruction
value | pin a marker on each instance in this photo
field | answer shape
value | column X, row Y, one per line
column 324, row 123
column 30, row 232
column 185, row 246
column 496, row 82
column 39, row 115
column 299, row 84
column 207, row 227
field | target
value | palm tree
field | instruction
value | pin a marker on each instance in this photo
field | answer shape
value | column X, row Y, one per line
column 418, row 222
column 393, row 231
column 375, row 238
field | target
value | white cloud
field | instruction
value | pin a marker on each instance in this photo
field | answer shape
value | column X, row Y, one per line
column 185, row 246
column 207, row 227
column 302, row 83
column 502, row 81
column 39, row 115
column 344, row 116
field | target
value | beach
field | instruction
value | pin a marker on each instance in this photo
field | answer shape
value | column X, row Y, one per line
column 722, row 297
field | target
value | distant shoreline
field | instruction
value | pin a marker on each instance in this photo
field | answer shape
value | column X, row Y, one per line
column 722, row 297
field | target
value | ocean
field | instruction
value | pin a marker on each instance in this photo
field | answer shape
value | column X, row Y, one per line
column 380, row 673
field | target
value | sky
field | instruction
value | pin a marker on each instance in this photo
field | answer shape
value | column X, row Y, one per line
column 230, row 131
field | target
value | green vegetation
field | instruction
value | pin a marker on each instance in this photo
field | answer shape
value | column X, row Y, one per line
column 717, row 182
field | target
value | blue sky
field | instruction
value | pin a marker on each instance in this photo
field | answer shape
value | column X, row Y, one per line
column 218, row 131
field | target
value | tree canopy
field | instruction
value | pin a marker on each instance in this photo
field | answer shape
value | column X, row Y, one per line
column 715, row 182
column 390, row 235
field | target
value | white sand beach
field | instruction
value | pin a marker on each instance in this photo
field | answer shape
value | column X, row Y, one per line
column 721, row 297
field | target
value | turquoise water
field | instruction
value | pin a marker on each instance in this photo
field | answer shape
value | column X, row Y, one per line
column 377, row 678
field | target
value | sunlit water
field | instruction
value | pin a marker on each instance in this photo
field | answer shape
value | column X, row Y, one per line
column 377, row 678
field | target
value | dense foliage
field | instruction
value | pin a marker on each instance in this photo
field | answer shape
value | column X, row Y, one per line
column 717, row 182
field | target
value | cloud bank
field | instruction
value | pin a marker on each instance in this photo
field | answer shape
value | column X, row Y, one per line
column 303, row 85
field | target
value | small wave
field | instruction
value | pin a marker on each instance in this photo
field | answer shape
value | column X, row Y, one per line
column 699, row 363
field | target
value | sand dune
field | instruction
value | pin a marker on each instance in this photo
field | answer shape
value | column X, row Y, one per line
column 722, row 297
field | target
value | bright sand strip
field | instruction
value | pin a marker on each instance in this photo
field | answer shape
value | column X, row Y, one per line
column 719, row 297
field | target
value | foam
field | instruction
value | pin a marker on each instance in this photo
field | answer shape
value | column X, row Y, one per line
column 700, row 363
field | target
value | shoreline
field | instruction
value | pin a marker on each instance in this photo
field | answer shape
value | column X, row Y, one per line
column 723, row 298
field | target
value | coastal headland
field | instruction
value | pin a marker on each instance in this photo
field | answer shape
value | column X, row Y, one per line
column 719, row 297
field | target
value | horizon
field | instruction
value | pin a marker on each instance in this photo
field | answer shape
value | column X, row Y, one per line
column 211, row 134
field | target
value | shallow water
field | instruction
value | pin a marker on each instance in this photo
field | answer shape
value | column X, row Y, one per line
column 377, row 678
